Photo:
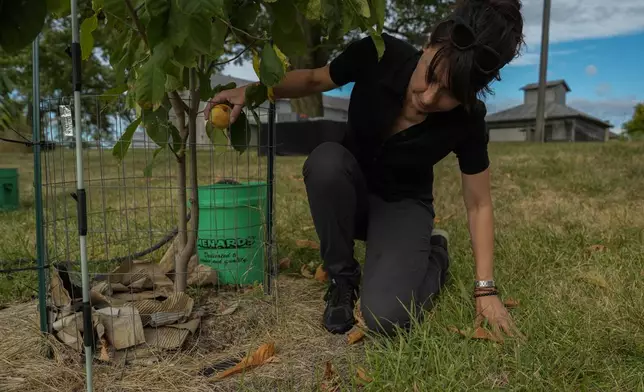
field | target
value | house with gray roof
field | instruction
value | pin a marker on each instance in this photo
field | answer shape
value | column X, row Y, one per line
column 562, row 123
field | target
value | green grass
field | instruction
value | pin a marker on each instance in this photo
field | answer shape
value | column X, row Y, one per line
column 582, row 310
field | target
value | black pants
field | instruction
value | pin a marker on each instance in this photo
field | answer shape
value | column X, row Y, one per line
column 403, row 269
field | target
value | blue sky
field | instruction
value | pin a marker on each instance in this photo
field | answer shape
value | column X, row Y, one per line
column 596, row 46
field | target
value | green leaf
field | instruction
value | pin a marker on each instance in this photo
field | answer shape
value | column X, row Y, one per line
column 199, row 34
column 362, row 8
column 20, row 22
column 217, row 136
column 157, row 124
column 118, row 8
column 97, row 5
column 173, row 84
column 207, row 8
column 123, row 144
column 221, row 87
column 86, row 37
column 186, row 56
column 379, row 42
column 59, row 8
column 158, row 132
column 114, row 92
column 245, row 14
column 217, row 38
column 147, row 172
column 177, row 143
column 156, row 28
column 178, row 25
column 314, row 10
column 379, row 11
column 292, row 43
column 174, row 69
column 205, row 87
column 150, row 85
column 256, row 94
column 258, row 122
column 240, row 133
column 271, row 67
column 286, row 30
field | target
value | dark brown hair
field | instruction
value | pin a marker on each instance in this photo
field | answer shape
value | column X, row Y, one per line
column 497, row 30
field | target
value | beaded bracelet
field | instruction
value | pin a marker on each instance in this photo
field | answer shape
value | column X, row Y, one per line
column 476, row 295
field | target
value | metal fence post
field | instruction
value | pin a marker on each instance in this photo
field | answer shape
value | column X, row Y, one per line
column 40, row 238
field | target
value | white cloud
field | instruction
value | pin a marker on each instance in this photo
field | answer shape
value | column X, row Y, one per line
column 616, row 111
column 591, row 70
column 572, row 20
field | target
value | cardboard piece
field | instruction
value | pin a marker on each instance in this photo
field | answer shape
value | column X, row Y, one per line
column 171, row 337
column 123, row 326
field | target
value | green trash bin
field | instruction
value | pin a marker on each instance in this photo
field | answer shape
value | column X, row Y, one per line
column 9, row 196
column 231, row 232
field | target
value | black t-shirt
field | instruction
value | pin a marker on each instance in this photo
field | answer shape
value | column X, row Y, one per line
column 401, row 166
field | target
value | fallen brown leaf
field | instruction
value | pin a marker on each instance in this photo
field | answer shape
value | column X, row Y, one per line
column 307, row 244
column 363, row 376
column 229, row 310
column 330, row 380
column 479, row 333
column 357, row 314
column 321, row 275
column 306, row 272
column 105, row 354
column 285, row 263
column 355, row 336
column 511, row 303
column 263, row 354
column 328, row 370
column 597, row 248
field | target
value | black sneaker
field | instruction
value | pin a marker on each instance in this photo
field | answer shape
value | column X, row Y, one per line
column 441, row 238
column 340, row 300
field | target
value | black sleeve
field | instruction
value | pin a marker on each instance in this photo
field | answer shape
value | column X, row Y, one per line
column 472, row 151
column 354, row 61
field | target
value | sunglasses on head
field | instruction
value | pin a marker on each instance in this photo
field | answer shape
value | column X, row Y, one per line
column 462, row 37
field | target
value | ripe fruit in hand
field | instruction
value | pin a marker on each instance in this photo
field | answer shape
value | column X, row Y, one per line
column 220, row 116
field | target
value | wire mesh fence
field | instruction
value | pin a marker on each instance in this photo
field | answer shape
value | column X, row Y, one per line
column 139, row 214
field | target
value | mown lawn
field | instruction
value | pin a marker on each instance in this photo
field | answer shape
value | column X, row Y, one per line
column 569, row 247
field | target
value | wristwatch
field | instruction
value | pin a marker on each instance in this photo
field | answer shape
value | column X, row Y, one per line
column 480, row 284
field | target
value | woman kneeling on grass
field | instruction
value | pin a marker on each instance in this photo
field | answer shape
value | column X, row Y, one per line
column 407, row 112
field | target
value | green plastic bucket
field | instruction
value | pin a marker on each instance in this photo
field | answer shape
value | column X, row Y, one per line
column 230, row 236
column 9, row 196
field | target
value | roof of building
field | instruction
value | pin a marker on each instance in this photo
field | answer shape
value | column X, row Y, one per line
column 528, row 112
column 328, row 101
column 552, row 83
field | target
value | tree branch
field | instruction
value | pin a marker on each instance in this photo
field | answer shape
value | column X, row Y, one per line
column 179, row 101
column 240, row 30
column 213, row 64
column 137, row 22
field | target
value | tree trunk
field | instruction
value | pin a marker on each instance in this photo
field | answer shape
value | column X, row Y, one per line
column 188, row 250
column 182, row 227
column 313, row 105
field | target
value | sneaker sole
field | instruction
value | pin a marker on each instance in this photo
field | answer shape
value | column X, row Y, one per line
column 441, row 233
